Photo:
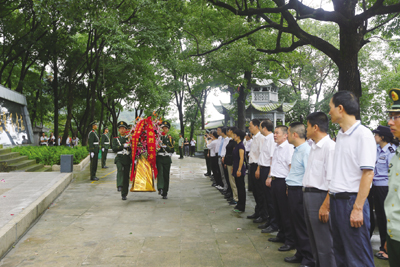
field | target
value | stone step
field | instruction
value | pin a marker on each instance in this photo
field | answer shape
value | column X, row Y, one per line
column 8, row 155
column 44, row 169
column 11, row 161
column 21, row 165
column 5, row 150
column 33, row 168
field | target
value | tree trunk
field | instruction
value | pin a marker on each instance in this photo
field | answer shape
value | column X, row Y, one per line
column 55, row 93
column 70, row 102
column 203, row 110
column 241, row 101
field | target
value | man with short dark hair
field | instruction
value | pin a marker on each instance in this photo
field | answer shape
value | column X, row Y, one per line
column 260, row 212
column 315, row 187
column 353, row 171
column 264, row 167
column 280, row 167
column 294, row 184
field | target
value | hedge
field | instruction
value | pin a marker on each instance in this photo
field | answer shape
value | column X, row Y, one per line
column 50, row 155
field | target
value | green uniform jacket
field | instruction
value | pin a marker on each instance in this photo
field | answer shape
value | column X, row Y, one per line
column 105, row 139
column 93, row 142
column 118, row 146
column 170, row 145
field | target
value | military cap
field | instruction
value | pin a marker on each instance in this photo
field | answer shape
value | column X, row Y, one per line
column 93, row 123
column 122, row 124
column 166, row 124
column 394, row 95
column 105, row 128
column 383, row 131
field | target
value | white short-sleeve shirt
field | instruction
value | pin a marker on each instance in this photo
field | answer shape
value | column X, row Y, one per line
column 256, row 144
column 213, row 147
column 226, row 141
column 319, row 169
column 282, row 159
column 267, row 151
column 355, row 151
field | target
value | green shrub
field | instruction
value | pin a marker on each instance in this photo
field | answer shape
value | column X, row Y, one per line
column 50, row 155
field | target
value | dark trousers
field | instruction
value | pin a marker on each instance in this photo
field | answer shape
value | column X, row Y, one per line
column 104, row 157
column 319, row 234
column 259, row 191
column 192, row 150
column 267, row 194
column 93, row 163
column 251, row 177
column 302, row 242
column 208, row 162
column 249, row 181
column 241, row 204
column 351, row 246
column 281, row 208
column 393, row 247
column 376, row 198
column 181, row 152
column 216, row 172
column 123, row 175
column 163, row 166
column 229, row 189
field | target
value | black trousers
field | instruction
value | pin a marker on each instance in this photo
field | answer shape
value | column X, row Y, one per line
column 281, row 208
column 216, row 172
column 376, row 199
column 192, row 150
column 302, row 242
column 241, row 204
column 208, row 161
column 258, row 192
column 267, row 197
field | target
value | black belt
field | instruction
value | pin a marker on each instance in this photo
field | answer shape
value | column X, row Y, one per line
column 274, row 177
column 344, row 195
column 263, row 167
column 313, row 190
column 253, row 163
column 294, row 187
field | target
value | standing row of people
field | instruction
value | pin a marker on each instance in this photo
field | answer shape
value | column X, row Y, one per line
column 51, row 140
column 186, row 148
column 314, row 194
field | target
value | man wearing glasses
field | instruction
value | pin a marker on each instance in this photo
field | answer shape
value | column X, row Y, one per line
column 392, row 201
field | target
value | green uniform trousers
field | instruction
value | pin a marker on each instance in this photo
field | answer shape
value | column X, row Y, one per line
column 104, row 157
column 123, row 175
column 393, row 250
column 93, row 163
column 163, row 167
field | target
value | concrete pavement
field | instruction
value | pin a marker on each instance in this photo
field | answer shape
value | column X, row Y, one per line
column 89, row 224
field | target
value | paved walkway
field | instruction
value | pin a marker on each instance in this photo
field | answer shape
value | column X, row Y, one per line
column 89, row 224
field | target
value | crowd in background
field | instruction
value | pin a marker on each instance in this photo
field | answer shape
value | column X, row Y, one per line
column 318, row 195
column 52, row 141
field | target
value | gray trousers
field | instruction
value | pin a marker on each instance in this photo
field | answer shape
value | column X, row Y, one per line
column 221, row 167
column 320, row 234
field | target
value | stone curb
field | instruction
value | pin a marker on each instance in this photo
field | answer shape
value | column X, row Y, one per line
column 14, row 229
column 77, row 167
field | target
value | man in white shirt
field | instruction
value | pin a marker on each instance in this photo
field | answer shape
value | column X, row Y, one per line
column 220, row 143
column 280, row 167
column 353, row 172
column 263, row 170
column 260, row 214
column 315, row 187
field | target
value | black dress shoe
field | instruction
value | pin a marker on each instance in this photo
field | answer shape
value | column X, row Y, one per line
column 206, row 174
column 229, row 199
column 253, row 216
column 105, row 167
column 264, row 225
column 304, row 265
column 214, row 184
column 286, row 248
column 165, row 197
column 276, row 239
column 232, row 203
column 124, row 198
column 228, row 195
column 94, row 179
column 269, row 230
column 293, row 259
column 119, row 188
column 259, row 220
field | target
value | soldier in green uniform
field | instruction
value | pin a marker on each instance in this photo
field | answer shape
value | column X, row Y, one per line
column 93, row 143
column 163, row 161
column 123, row 159
column 105, row 145
column 392, row 201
